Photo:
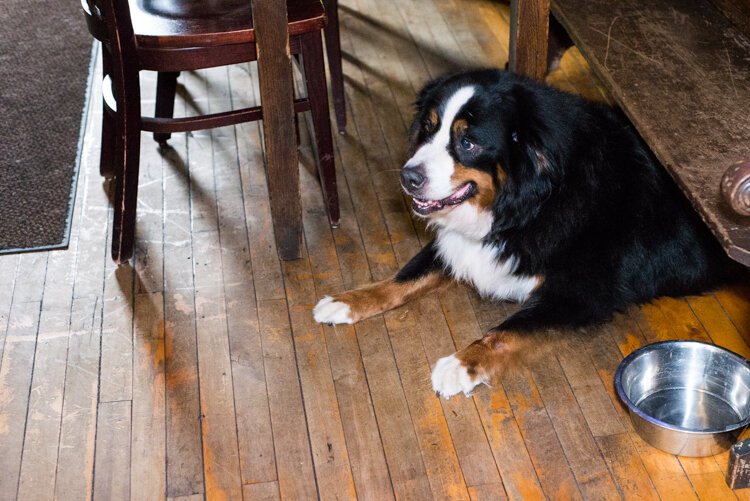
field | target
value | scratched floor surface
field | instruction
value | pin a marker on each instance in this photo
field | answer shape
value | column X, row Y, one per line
column 198, row 371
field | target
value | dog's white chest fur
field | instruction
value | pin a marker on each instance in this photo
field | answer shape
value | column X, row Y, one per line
column 471, row 261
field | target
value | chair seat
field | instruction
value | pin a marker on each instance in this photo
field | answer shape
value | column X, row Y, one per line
column 208, row 23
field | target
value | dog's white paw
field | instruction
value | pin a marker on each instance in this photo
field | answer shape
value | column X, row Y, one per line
column 329, row 311
column 450, row 376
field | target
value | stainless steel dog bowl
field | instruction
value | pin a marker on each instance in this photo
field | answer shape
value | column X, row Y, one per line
column 686, row 397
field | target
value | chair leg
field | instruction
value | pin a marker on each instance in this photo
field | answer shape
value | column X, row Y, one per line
column 166, row 86
column 315, row 79
column 109, row 141
column 128, row 123
column 296, row 129
column 333, row 50
column 126, row 198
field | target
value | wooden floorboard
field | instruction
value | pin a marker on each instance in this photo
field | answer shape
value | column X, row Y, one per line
column 75, row 458
column 183, row 439
column 113, row 460
column 148, row 449
column 363, row 442
column 9, row 265
column 197, row 371
column 15, row 379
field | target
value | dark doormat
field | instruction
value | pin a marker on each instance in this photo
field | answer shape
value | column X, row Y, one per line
column 45, row 66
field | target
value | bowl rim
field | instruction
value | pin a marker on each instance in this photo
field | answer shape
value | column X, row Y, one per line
column 660, row 345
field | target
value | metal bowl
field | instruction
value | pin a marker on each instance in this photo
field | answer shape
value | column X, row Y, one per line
column 685, row 397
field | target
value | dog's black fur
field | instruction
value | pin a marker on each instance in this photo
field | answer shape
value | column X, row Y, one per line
column 582, row 204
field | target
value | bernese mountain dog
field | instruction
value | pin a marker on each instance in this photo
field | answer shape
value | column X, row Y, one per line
column 541, row 197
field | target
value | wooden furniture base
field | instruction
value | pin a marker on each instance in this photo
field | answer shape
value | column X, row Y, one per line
column 678, row 69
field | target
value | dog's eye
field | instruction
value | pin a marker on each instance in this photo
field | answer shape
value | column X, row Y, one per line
column 427, row 126
column 466, row 144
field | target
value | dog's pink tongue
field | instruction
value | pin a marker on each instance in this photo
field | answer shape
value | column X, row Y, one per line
column 459, row 193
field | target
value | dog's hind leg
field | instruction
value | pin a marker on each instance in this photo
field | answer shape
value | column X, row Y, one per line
column 420, row 275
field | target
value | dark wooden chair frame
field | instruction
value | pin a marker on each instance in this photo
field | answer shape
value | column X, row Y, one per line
column 109, row 21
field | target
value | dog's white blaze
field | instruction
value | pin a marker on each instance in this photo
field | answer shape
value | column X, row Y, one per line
column 434, row 155
column 472, row 261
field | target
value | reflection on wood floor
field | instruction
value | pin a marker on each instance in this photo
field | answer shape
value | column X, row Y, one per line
column 199, row 372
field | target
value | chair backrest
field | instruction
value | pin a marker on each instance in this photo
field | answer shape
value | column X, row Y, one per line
column 94, row 20
column 102, row 15
column 109, row 22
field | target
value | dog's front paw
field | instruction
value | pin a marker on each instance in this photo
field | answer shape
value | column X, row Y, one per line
column 330, row 311
column 451, row 376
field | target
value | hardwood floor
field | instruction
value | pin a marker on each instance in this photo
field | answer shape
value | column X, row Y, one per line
column 198, row 371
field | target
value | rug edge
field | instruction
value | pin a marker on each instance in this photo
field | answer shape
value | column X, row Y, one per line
column 87, row 100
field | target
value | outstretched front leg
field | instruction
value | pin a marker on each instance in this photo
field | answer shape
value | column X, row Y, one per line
column 479, row 363
column 524, row 336
column 420, row 275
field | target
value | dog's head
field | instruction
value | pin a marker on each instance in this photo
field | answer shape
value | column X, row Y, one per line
column 479, row 157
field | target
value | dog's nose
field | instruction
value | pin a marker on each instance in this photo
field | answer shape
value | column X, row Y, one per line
column 412, row 177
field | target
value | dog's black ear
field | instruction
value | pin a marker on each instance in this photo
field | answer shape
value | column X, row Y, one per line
column 534, row 147
column 533, row 151
column 533, row 176
column 537, row 159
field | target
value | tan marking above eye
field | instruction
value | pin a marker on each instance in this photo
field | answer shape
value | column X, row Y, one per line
column 460, row 126
column 433, row 118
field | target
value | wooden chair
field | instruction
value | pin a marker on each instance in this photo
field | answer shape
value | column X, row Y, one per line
column 169, row 36
column 333, row 49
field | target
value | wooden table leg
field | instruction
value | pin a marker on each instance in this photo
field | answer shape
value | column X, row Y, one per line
column 276, row 94
column 529, row 29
